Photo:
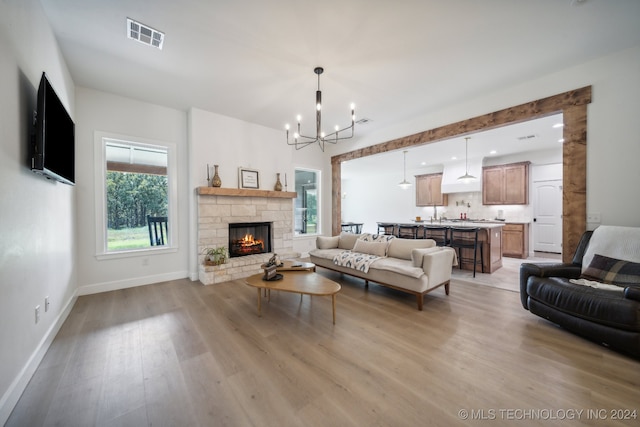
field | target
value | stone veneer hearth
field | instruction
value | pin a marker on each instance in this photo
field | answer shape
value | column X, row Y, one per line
column 217, row 207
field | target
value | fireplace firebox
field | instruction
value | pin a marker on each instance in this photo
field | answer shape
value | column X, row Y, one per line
column 248, row 238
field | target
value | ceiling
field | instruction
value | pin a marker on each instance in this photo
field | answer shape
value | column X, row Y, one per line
column 397, row 60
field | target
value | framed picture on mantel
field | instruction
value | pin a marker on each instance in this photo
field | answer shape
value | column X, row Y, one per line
column 248, row 178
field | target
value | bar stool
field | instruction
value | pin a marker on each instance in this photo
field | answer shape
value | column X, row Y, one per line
column 352, row 227
column 438, row 233
column 408, row 231
column 467, row 238
column 386, row 228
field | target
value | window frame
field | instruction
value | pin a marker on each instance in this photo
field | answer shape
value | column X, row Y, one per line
column 318, row 184
column 100, row 162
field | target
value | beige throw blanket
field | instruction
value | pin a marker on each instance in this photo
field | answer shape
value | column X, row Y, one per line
column 355, row 260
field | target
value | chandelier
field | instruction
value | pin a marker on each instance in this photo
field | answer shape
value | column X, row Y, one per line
column 301, row 141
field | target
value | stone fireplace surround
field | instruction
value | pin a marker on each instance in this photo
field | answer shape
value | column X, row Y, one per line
column 217, row 207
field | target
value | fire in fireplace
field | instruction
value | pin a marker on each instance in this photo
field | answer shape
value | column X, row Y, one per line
column 249, row 238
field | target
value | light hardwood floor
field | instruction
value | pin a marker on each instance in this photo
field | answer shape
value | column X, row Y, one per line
column 182, row 354
column 506, row 277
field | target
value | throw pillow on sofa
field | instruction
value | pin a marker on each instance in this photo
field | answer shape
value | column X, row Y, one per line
column 371, row 248
column 612, row 271
column 401, row 248
column 368, row 237
column 347, row 240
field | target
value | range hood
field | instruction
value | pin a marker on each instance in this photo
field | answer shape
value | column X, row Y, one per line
column 452, row 171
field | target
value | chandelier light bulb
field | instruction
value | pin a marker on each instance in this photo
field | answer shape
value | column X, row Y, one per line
column 298, row 118
column 337, row 128
column 318, row 107
column 286, row 126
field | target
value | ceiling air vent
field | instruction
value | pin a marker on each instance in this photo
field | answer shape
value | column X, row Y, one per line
column 144, row 34
column 363, row 121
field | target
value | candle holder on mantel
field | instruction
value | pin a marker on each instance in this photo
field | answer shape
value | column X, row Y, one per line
column 215, row 181
column 278, row 186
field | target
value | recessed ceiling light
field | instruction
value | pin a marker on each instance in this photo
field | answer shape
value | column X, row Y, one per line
column 558, row 125
column 492, row 152
column 561, row 140
column 454, row 158
column 423, row 163
column 144, row 34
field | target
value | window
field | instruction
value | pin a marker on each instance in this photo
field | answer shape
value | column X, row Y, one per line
column 307, row 203
column 135, row 197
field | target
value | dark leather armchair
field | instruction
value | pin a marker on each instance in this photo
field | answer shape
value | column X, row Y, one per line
column 611, row 318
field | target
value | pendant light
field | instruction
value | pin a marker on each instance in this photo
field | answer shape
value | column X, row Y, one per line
column 405, row 184
column 466, row 178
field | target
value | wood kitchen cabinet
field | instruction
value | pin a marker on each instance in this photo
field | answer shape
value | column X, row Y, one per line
column 515, row 240
column 429, row 190
column 506, row 184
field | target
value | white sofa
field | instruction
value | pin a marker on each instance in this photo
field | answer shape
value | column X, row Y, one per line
column 413, row 266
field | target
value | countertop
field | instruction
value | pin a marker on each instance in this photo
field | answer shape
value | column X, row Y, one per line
column 458, row 223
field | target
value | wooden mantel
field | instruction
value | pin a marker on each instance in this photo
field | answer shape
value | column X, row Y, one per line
column 244, row 192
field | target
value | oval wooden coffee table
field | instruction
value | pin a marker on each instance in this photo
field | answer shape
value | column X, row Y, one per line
column 289, row 265
column 299, row 282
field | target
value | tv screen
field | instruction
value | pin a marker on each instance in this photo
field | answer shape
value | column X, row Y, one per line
column 53, row 148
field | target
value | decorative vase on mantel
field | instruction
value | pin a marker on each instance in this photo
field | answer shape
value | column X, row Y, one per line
column 215, row 181
column 278, row 186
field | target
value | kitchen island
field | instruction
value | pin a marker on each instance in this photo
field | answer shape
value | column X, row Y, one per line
column 489, row 236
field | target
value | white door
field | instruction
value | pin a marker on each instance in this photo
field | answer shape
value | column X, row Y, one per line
column 547, row 216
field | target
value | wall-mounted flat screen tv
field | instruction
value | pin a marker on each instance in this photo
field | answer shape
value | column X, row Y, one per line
column 53, row 145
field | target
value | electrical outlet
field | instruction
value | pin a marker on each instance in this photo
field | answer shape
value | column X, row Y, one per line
column 37, row 313
column 46, row 304
column 593, row 218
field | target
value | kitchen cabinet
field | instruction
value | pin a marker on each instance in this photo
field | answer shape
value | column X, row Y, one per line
column 515, row 240
column 506, row 184
column 428, row 190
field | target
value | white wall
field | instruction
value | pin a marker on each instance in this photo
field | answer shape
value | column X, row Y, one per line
column 99, row 111
column 37, row 216
column 613, row 135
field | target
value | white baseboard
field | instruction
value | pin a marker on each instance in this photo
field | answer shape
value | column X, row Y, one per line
column 17, row 387
column 97, row 288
